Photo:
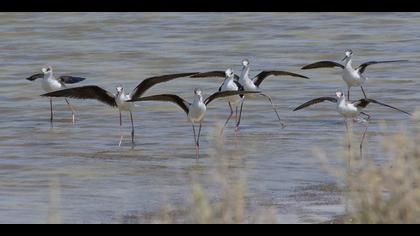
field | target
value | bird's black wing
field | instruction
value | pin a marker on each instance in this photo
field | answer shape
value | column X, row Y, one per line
column 364, row 101
column 36, row 76
column 363, row 66
column 263, row 75
column 86, row 92
column 226, row 94
column 70, row 79
column 315, row 101
column 165, row 98
column 150, row 82
column 323, row 64
column 213, row 74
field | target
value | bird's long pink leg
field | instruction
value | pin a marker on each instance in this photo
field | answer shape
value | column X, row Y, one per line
column 364, row 134
column 240, row 115
column 230, row 116
column 121, row 139
column 348, row 94
column 363, row 91
column 132, row 128
column 274, row 108
column 71, row 109
column 236, row 120
column 198, row 141
column 195, row 143
column 236, row 114
column 52, row 113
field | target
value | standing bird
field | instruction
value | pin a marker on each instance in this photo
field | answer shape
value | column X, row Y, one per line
column 349, row 110
column 195, row 111
column 352, row 77
column 50, row 83
column 254, row 85
column 118, row 100
column 229, row 84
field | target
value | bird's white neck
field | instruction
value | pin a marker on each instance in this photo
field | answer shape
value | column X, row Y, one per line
column 342, row 100
column 198, row 99
column 121, row 95
column 244, row 73
column 48, row 75
column 347, row 62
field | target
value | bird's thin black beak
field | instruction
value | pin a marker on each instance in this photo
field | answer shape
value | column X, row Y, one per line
column 344, row 58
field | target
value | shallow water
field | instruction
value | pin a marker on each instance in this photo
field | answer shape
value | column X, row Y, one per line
column 100, row 183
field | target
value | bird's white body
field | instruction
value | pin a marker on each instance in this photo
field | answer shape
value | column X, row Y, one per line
column 197, row 109
column 246, row 82
column 121, row 99
column 347, row 109
column 50, row 84
column 230, row 85
column 351, row 76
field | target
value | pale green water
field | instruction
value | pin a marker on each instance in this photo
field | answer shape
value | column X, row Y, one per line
column 101, row 183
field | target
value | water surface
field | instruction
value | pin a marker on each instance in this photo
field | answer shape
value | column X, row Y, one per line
column 100, row 183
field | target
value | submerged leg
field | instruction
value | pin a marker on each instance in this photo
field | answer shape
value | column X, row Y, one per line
column 71, row 109
column 132, row 128
column 274, row 108
column 121, row 139
column 230, row 116
column 364, row 133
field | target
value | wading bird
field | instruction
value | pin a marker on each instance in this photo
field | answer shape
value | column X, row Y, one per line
column 119, row 100
column 352, row 77
column 195, row 111
column 350, row 110
column 255, row 83
column 50, row 83
column 247, row 84
column 229, row 84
